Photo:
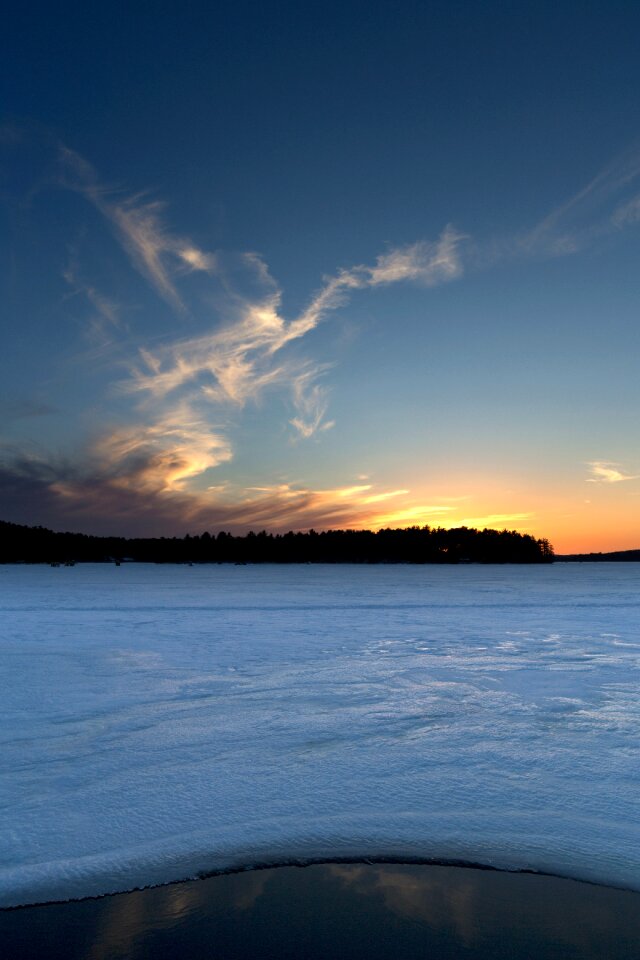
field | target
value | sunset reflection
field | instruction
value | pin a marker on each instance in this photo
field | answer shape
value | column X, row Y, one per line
column 368, row 910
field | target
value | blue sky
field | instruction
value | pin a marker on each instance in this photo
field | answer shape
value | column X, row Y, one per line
column 281, row 265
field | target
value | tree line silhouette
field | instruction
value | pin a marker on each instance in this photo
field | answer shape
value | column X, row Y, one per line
column 23, row 544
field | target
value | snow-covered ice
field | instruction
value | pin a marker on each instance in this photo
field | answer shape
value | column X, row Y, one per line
column 158, row 722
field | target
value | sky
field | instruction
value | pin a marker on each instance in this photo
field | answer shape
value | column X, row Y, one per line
column 281, row 266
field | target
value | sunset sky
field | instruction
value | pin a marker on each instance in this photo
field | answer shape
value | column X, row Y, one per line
column 291, row 265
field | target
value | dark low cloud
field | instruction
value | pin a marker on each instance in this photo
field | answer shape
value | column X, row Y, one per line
column 26, row 497
column 64, row 497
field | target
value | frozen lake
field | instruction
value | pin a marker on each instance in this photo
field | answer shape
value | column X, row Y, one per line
column 159, row 722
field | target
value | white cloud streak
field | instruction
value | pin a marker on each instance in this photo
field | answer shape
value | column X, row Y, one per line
column 598, row 209
column 627, row 213
column 426, row 263
column 153, row 250
column 236, row 362
column 605, row 471
column 311, row 401
column 105, row 320
column 499, row 520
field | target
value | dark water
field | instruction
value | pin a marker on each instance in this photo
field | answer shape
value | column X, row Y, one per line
column 371, row 911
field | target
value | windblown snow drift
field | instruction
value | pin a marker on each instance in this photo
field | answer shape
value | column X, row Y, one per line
column 159, row 722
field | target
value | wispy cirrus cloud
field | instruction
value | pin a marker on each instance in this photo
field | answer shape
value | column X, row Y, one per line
column 610, row 201
column 626, row 213
column 237, row 361
column 105, row 322
column 185, row 392
column 310, row 400
column 606, row 471
column 245, row 352
column 426, row 263
column 155, row 252
column 181, row 387
column 500, row 520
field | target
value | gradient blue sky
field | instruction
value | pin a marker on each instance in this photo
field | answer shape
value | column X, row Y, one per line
column 288, row 265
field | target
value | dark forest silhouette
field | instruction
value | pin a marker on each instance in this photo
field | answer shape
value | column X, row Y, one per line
column 22, row 544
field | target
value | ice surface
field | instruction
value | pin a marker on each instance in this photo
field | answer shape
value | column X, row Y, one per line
column 157, row 722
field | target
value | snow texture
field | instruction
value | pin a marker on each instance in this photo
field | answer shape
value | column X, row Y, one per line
column 158, row 722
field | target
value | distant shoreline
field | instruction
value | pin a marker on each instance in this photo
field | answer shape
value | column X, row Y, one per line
column 613, row 556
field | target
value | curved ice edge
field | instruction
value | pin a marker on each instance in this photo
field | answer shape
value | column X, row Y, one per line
column 199, row 854
column 369, row 860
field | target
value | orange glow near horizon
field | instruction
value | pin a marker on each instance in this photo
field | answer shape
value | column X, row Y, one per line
column 153, row 470
column 595, row 519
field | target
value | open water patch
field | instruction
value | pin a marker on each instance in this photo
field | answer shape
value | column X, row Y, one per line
column 338, row 909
